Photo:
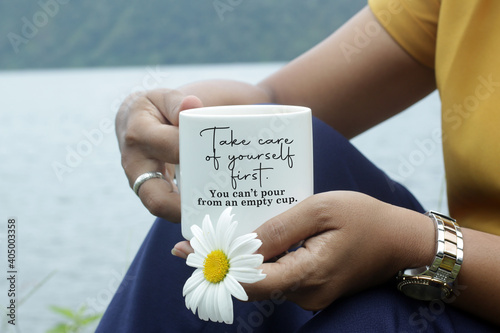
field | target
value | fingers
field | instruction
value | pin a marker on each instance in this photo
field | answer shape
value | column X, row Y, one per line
column 283, row 276
column 159, row 140
column 155, row 140
column 162, row 199
column 147, row 124
column 149, row 142
column 159, row 196
column 296, row 274
column 171, row 102
column 294, row 225
column 300, row 276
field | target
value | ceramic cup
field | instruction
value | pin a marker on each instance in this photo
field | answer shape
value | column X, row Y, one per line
column 258, row 159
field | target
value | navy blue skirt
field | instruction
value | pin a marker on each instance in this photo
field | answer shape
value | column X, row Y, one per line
column 149, row 298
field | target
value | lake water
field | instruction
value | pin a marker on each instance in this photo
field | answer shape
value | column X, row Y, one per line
column 79, row 224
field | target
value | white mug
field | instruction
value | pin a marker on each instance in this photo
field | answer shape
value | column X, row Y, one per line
column 258, row 159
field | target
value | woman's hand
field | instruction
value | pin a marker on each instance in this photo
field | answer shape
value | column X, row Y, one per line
column 148, row 136
column 352, row 242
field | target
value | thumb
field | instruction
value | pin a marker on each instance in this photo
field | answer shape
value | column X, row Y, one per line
column 190, row 102
column 187, row 102
column 288, row 228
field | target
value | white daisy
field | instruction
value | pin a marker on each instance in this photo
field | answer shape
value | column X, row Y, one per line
column 221, row 263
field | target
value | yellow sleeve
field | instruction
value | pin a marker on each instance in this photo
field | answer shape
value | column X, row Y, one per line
column 413, row 24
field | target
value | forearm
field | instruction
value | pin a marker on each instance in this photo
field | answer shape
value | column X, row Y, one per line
column 353, row 92
column 478, row 287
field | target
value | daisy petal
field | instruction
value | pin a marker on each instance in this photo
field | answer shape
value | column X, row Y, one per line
column 195, row 260
column 228, row 235
column 244, row 245
column 235, row 288
column 225, row 216
column 188, row 300
column 199, row 247
column 216, row 302
column 222, row 225
column 198, row 295
column 209, row 232
column 199, row 239
column 246, row 274
column 202, row 310
column 194, row 281
column 197, row 232
column 208, row 302
column 225, row 304
column 202, row 314
column 246, row 260
column 224, row 220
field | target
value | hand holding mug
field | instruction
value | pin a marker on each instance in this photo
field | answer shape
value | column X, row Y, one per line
column 148, row 137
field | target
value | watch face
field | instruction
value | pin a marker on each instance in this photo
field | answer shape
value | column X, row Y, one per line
column 425, row 292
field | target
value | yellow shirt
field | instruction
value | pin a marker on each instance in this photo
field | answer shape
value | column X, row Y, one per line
column 460, row 40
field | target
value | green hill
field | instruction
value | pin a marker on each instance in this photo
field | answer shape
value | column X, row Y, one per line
column 64, row 33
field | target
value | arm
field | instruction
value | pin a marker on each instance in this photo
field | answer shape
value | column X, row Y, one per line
column 354, row 242
column 351, row 94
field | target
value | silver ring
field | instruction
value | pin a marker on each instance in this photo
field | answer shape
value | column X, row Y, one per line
column 145, row 177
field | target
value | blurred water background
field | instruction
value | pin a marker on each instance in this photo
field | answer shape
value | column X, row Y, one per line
column 79, row 223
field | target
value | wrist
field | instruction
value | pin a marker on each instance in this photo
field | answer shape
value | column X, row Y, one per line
column 415, row 239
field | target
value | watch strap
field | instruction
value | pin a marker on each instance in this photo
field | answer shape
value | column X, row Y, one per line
column 438, row 278
column 449, row 248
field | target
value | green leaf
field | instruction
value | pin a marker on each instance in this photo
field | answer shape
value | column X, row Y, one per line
column 81, row 311
column 63, row 311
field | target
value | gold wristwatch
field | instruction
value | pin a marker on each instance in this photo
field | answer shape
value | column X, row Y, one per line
column 436, row 281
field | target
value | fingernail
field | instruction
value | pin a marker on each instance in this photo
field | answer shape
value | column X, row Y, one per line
column 177, row 253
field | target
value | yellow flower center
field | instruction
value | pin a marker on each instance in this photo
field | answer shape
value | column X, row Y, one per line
column 216, row 266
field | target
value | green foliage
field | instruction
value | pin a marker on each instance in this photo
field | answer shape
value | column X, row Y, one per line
column 74, row 321
column 45, row 33
column 24, row 298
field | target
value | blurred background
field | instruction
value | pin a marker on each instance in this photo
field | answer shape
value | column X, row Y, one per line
column 65, row 67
